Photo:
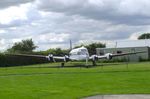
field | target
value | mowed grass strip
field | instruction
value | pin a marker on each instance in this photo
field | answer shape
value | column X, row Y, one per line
column 72, row 83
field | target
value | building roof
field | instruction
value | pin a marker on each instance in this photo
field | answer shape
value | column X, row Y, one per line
column 129, row 43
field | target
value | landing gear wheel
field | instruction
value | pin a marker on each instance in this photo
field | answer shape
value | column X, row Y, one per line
column 62, row 64
column 94, row 63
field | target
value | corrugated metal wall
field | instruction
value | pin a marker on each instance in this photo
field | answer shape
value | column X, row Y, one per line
column 135, row 57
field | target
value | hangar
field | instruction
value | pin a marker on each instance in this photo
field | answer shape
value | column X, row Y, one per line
column 128, row 46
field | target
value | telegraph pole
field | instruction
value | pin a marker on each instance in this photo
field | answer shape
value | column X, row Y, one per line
column 70, row 45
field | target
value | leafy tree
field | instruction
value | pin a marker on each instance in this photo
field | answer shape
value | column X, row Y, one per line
column 61, row 52
column 25, row 46
column 57, row 51
column 92, row 47
column 144, row 36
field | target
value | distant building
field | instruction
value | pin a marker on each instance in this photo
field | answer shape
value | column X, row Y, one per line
column 128, row 43
column 134, row 57
column 124, row 46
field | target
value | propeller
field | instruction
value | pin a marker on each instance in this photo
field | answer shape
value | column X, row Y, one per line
column 66, row 58
column 108, row 56
column 94, row 59
column 50, row 57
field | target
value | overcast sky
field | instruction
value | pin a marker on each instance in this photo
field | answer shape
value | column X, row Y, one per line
column 52, row 23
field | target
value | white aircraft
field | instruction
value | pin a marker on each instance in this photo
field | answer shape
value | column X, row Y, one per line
column 81, row 53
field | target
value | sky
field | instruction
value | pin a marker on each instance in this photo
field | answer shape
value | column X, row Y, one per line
column 52, row 23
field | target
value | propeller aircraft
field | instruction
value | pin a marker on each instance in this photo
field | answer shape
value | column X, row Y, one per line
column 79, row 54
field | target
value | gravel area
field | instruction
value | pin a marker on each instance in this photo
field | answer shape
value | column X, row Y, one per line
column 119, row 97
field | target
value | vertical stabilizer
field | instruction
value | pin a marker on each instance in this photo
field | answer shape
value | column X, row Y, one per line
column 70, row 45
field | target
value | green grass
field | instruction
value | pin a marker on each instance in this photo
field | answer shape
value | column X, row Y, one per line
column 42, row 82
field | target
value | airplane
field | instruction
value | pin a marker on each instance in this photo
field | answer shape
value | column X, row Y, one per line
column 79, row 54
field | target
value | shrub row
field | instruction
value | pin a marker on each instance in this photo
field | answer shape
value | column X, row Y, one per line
column 12, row 60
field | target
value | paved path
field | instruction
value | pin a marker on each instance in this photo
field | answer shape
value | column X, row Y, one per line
column 119, row 97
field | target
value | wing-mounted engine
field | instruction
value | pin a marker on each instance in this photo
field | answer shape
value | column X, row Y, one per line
column 108, row 56
column 94, row 57
column 66, row 58
column 50, row 57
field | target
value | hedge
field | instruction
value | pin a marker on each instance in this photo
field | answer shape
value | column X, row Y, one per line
column 12, row 60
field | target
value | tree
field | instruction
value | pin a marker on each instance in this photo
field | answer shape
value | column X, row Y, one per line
column 25, row 46
column 144, row 36
column 92, row 47
column 56, row 51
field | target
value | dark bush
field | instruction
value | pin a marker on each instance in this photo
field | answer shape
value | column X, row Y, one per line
column 12, row 60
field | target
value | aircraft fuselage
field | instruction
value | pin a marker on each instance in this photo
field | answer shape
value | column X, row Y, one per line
column 79, row 54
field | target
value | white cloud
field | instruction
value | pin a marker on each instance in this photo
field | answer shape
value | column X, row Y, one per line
column 51, row 23
column 8, row 3
column 12, row 13
column 3, row 44
column 19, row 15
column 2, row 31
column 131, row 12
column 52, row 38
column 134, row 7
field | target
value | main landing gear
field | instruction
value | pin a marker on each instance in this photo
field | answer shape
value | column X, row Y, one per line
column 62, row 64
column 94, row 63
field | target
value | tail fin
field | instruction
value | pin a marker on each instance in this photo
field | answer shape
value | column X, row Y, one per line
column 70, row 45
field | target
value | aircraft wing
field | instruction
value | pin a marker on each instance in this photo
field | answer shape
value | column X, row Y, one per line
column 101, row 57
column 129, row 53
column 110, row 56
column 58, row 57
column 95, row 57
column 27, row 55
column 49, row 57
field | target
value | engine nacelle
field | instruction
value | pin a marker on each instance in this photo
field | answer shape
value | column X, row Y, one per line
column 95, row 57
column 50, row 57
column 66, row 58
column 108, row 56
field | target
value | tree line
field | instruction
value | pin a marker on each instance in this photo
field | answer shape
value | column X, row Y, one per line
column 28, row 47
column 10, row 57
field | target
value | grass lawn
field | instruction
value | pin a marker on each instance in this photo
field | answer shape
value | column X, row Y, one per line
column 42, row 82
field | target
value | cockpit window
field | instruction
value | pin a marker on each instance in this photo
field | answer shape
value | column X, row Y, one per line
column 83, row 52
column 80, row 52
